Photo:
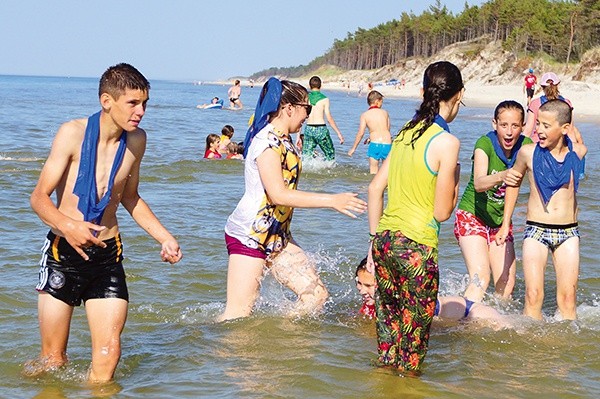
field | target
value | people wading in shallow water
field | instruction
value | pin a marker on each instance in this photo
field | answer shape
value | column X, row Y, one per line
column 257, row 233
column 421, row 175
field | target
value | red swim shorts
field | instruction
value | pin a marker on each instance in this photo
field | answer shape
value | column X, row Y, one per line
column 467, row 224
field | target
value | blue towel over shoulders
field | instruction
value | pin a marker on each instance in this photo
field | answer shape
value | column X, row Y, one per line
column 85, row 185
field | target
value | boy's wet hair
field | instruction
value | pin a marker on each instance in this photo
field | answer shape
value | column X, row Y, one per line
column 509, row 104
column 361, row 266
column 118, row 78
column 227, row 131
column 561, row 109
column 373, row 96
column 315, row 82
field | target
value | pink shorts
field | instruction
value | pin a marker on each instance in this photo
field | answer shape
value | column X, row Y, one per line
column 467, row 224
column 235, row 247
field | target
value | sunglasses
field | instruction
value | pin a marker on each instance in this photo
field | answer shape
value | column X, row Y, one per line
column 307, row 107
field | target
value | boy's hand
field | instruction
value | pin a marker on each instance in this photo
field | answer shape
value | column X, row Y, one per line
column 80, row 235
column 341, row 138
column 170, row 251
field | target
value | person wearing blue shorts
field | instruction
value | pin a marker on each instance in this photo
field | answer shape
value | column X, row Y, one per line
column 377, row 121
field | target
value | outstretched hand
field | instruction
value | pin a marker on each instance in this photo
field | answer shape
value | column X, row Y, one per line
column 81, row 235
column 349, row 204
column 171, row 252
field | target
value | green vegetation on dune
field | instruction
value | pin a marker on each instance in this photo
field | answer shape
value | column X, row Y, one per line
column 559, row 31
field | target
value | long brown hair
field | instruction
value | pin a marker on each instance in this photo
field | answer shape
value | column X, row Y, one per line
column 441, row 81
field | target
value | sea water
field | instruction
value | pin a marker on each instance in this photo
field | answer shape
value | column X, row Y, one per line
column 172, row 348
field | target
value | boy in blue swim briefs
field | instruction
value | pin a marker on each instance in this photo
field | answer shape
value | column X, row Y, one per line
column 553, row 166
column 93, row 166
column 377, row 121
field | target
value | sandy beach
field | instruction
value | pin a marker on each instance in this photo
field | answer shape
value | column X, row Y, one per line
column 581, row 94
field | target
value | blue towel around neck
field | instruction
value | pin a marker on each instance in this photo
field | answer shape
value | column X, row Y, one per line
column 550, row 175
column 85, row 185
column 509, row 162
column 268, row 102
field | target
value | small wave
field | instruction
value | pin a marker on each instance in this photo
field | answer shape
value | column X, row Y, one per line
column 19, row 159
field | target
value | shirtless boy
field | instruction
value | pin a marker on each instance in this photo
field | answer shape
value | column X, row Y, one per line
column 377, row 121
column 94, row 165
column 552, row 166
column 316, row 132
column 234, row 94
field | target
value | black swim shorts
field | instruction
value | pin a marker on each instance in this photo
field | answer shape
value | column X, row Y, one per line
column 65, row 275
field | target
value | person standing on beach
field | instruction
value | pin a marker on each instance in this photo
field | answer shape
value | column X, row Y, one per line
column 93, row 166
column 377, row 121
column 481, row 208
column 553, row 166
column 316, row 132
column 529, row 85
column 421, row 175
column 234, row 93
column 257, row 233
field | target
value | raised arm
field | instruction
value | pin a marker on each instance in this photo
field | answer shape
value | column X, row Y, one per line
column 483, row 182
column 139, row 209
column 530, row 124
column 269, row 168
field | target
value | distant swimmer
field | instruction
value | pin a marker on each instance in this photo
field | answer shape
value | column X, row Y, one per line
column 316, row 132
column 377, row 121
column 215, row 103
column 212, row 147
column 234, row 94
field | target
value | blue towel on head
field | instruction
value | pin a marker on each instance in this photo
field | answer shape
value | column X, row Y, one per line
column 85, row 185
column 509, row 162
column 268, row 102
column 550, row 175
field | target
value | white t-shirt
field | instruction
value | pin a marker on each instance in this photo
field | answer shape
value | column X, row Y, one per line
column 256, row 221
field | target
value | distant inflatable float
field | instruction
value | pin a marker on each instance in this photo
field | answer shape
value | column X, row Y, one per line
column 216, row 103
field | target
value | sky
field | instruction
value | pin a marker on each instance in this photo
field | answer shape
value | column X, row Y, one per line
column 183, row 39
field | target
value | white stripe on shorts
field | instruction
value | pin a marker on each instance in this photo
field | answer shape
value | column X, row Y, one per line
column 43, row 273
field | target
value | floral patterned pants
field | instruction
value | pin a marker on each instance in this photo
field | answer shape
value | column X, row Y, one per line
column 407, row 277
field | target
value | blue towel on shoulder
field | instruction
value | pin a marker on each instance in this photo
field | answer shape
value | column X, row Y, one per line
column 550, row 175
column 85, row 185
column 509, row 162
